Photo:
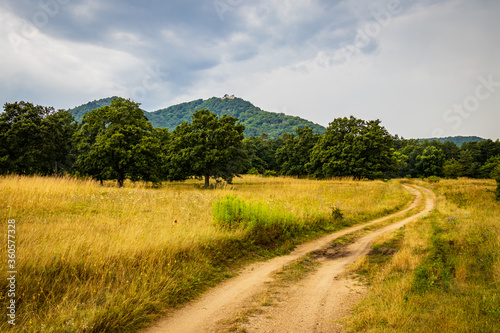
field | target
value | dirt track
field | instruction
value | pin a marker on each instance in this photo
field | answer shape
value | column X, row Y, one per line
column 311, row 305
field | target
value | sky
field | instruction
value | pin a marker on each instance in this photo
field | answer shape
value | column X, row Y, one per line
column 424, row 68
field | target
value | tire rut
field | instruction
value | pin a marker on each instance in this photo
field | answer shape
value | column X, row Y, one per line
column 322, row 289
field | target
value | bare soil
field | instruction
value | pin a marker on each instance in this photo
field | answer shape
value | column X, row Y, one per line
column 314, row 304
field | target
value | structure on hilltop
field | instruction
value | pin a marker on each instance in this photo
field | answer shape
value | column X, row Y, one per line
column 228, row 97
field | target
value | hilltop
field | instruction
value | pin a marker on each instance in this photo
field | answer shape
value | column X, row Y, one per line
column 255, row 120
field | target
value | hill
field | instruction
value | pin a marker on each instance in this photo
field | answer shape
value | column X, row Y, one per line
column 458, row 140
column 79, row 111
column 255, row 120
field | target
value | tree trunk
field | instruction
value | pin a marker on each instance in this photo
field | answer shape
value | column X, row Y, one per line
column 121, row 178
column 207, row 181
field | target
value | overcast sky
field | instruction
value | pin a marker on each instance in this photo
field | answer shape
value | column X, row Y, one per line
column 424, row 68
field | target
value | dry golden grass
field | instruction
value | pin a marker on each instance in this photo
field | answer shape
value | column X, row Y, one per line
column 444, row 278
column 93, row 258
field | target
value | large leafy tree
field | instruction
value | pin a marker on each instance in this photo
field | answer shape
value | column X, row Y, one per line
column 353, row 147
column 296, row 151
column 208, row 147
column 430, row 163
column 35, row 139
column 117, row 142
column 261, row 152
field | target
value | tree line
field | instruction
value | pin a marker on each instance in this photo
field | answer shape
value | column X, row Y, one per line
column 117, row 142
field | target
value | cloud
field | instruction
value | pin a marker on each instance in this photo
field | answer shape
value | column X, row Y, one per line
column 314, row 58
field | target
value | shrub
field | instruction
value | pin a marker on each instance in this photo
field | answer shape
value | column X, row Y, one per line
column 270, row 173
column 253, row 171
column 433, row 179
column 263, row 225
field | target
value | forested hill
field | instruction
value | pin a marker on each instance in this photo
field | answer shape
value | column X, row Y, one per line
column 79, row 111
column 458, row 140
column 255, row 120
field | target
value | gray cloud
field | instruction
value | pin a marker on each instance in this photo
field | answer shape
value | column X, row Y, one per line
column 315, row 58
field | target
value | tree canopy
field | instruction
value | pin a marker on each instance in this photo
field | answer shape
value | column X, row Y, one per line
column 208, row 147
column 118, row 142
column 112, row 142
column 35, row 139
column 352, row 147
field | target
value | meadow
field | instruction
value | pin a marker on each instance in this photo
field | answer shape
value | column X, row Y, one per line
column 445, row 273
column 100, row 258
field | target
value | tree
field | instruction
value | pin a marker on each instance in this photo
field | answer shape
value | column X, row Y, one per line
column 35, row 139
column 470, row 168
column 452, row 169
column 296, row 151
column 488, row 170
column 208, row 147
column 256, row 153
column 353, row 147
column 498, row 189
column 430, row 163
column 117, row 142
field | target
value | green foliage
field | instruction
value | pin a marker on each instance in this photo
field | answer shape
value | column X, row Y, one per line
column 473, row 159
column 117, row 142
column 270, row 173
column 79, row 111
column 430, row 163
column 35, row 139
column 253, row 171
column 207, row 147
column 337, row 214
column 295, row 153
column 261, row 152
column 263, row 225
column 497, row 195
column 255, row 120
column 438, row 268
column 433, row 179
column 456, row 140
column 353, row 147
column 452, row 169
column 491, row 169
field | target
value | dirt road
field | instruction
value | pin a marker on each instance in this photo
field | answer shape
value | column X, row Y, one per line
column 311, row 305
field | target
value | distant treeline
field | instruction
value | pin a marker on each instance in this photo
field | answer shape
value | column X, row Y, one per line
column 118, row 142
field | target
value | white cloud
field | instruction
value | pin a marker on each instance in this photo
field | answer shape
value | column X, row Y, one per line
column 280, row 55
column 57, row 72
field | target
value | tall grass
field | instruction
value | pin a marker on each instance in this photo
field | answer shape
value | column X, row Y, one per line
column 93, row 258
column 446, row 274
column 264, row 225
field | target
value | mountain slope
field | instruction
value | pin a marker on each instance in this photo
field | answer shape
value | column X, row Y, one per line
column 255, row 120
column 79, row 111
column 458, row 140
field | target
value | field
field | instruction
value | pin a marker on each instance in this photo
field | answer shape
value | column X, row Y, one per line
column 92, row 258
column 445, row 275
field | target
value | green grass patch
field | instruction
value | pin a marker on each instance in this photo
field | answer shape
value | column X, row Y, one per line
column 266, row 225
column 445, row 275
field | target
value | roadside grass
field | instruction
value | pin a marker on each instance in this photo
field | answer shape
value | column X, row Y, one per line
column 445, row 273
column 102, row 259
